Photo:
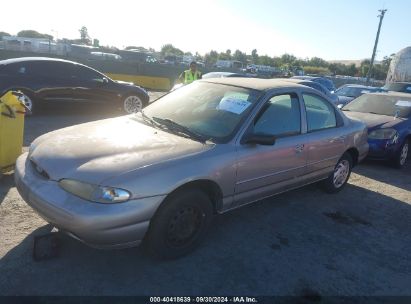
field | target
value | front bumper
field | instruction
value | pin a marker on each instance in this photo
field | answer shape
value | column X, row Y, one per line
column 98, row 225
column 382, row 149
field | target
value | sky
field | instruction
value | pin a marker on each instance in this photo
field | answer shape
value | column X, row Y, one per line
column 330, row 29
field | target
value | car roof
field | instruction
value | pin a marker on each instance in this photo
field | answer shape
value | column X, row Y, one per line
column 255, row 83
column 359, row 86
column 298, row 80
column 24, row 59
column 220, row 73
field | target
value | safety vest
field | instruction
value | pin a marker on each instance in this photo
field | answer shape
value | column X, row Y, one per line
column 189, row 77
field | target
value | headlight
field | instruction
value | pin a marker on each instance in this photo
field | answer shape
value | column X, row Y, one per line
column 383, row 134
column 95, row 193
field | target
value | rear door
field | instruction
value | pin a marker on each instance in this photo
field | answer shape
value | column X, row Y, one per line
column 263, row 170
column 325, row 137
column 51, row 79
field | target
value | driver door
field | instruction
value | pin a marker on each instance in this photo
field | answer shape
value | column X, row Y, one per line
column 263, row 170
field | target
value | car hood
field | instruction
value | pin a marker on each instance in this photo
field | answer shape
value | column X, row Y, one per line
column 96, row 151
column 374, row 121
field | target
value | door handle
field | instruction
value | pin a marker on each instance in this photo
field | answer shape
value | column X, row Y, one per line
column 299, row 148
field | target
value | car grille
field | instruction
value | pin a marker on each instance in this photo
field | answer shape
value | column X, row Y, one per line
column 40, row 171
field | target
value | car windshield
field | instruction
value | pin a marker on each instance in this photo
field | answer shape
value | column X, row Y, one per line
column 381, row 104
column 350, row 91
column 398, row 87
column 213, row 111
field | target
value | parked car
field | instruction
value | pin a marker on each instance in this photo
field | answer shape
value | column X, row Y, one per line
column 404, row 87
column 388, row 117
column 56, row 81
column 348, row 92
column 317, row 86
column 223, row 74
column 324, row 81
column 209, row 147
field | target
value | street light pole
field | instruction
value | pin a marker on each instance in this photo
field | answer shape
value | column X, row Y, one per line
column 381, row 16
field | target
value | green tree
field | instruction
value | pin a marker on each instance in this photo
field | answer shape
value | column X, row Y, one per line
column 84, row 36
column 264, row 60
column 211, row 58
column 169, row 49
column 3, row 34
column 317, row 62
column 254, row 56
column 240, row 56
column 33, row 34
column 228, row 52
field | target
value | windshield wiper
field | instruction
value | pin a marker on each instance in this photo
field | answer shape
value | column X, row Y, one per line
column 148, row 119
column 174, row 126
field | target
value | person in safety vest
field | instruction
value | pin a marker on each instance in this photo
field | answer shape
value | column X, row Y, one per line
column 188, row 76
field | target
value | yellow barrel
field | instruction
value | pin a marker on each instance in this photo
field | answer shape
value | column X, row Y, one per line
column 12, row 112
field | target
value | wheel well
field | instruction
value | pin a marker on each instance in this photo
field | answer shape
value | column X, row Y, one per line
column 212, row 189
column 24, row 90
column 145, row 98
column 354, row 155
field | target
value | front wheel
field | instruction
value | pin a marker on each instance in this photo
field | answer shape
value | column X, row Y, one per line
column 339, row 178
column 400, row 159
column 132, row 104
column 180, row 224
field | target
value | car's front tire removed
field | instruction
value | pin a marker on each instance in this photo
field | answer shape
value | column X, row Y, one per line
column 179, row 225
column 400, row 159
column 339, row 178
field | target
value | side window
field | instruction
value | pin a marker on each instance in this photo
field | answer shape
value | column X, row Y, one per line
column 84, row 73
column 320, row 113
column 280, row 116
column 51, row 69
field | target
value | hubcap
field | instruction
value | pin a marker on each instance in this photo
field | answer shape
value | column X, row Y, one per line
column 133, row 104
column 184, row 226
column 404, row 154
column 27, row 102
column 341, row 173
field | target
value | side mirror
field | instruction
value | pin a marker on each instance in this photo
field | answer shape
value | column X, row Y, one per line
column 101, row 81
column 259, row 139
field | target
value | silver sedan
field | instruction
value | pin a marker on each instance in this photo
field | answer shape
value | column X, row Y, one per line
column 160, row 175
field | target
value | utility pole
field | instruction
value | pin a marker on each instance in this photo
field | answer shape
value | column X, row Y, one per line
column 381, row 16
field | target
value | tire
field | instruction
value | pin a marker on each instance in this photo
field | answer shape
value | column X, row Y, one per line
column 179, row 225
column 133, row 103
column 400, row 160
column 28, row 101
column 339, row 178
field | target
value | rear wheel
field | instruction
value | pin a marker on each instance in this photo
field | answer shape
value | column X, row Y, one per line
column 338, row 179
column 400, row 159
column 180, row 224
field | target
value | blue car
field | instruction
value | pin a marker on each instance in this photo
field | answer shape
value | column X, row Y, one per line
column 388, row 117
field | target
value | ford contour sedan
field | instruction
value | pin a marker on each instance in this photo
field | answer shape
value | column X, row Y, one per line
column 160, row 175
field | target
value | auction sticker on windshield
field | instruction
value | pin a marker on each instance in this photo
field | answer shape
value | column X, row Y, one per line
column 403, row 103
column 234, row 102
